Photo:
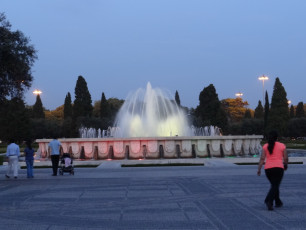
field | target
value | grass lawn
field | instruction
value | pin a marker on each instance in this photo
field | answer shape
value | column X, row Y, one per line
column 295, row 144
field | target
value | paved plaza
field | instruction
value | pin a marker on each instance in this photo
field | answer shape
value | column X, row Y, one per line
column 214, row 196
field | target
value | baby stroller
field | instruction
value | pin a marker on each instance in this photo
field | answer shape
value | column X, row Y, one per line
column 66, row 165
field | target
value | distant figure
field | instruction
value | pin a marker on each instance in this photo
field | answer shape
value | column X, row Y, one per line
column 29, row 158
column 54, row 151
column 12, row 152
column 276, row 162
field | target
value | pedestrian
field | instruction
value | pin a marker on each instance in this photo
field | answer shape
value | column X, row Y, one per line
column 12, row 152
column 54, row 151
column 29, row 158
column 276, row 158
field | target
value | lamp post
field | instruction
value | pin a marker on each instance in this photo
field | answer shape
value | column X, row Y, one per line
column 239, row 94
column 263, row 78
column 37, row 92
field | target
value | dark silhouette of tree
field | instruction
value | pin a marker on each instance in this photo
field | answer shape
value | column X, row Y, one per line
column 68, row 123
column 279, row 112
column 82, row 106
column 248, row 114
column 250, row 127
column 38, row 110
column 297, row 127
column 105, row 112
column 14, row 120
column 115, row 105
column 300, row 110
column 291, row 112
column 177, row 98
column 259, row 111
column 267, row 110
column 68, row 106
column 209, row 111
column 104, row 107
column 17, row 57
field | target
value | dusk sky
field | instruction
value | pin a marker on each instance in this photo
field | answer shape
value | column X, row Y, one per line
column 185, row 45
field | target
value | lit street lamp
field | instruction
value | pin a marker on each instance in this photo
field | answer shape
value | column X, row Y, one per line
column 289, row 102
column 239, row 94
column 37, row 92
column 263, row 78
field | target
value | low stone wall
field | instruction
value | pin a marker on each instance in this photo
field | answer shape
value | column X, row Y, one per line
column 156, row 148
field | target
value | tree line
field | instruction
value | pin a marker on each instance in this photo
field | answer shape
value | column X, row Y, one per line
column 233, row 116
column 20, row 121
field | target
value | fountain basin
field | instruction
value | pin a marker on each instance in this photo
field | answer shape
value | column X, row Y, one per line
column 156, row 147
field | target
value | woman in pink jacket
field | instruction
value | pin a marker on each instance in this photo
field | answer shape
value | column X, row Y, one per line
column 276, row 158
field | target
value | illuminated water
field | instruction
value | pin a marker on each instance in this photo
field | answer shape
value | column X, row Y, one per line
column 150, row 112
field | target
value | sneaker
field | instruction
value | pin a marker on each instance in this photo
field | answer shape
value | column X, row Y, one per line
column 7, row 176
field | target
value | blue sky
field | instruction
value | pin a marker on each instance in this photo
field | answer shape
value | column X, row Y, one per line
column 185, row 45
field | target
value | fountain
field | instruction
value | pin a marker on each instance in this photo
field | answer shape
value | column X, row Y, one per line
column 116, row 131
column 150, row 113
column 150, row 125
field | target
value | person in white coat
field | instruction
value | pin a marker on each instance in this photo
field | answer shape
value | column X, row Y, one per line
column 13, row 153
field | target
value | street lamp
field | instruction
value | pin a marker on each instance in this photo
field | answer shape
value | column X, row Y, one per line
column 263, row 78
column 289, row 102
column 37, row 92
column 239, row 94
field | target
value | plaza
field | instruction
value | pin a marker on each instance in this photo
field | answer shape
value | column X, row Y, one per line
column 218, row 195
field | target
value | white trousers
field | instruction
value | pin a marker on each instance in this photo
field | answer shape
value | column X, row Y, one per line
column 13, row 165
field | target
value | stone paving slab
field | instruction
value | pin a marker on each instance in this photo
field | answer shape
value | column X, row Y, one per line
column 179, row 197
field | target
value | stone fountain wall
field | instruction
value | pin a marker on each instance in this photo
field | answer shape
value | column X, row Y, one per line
column 156, row 148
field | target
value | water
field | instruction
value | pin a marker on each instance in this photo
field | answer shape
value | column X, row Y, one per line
column 151, row 112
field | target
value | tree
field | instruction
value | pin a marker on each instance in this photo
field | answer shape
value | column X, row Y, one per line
column 247, row 114
column 57, row 114
column 247, row 127
column 67, row 106
column 115, row 105
column 82, row 104
column 38, row 110
column 96, row 108
column 177, row 98
column 17, row 57
column 209, row 111
column 291, row 112
column 259, row 111
column 235, row 108
column 14, row 120
column 43, row 128
column 300, row 110
column 297, row 127
column 267, row 110
column 279, row 113
column 251, row 126
column 104, row 107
